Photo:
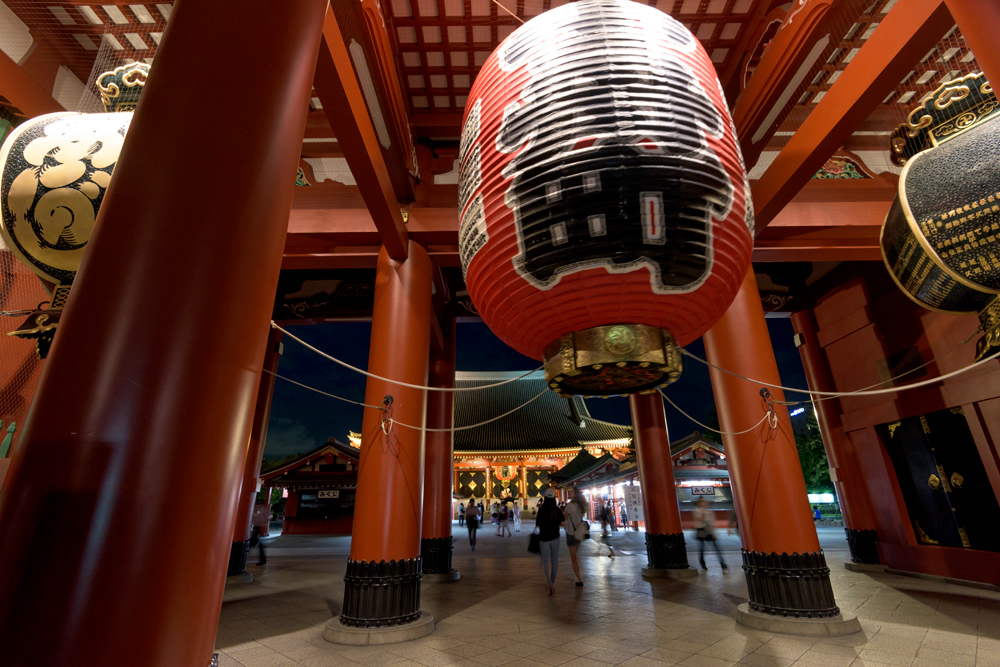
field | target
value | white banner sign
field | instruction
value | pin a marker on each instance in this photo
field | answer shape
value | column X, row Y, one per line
column 328, row 494
column 633, row 503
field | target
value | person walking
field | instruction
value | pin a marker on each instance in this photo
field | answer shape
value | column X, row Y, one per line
column 575, row 515
column 611, row 516
column 472, row 523
column 550, row 517
column 706, row 532
column 461, row 515
column 504, row 521
column 517, row 517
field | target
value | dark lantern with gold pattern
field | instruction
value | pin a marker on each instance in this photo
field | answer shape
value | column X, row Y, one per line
column 54, row 171
column 941, row 237
column 120, row 88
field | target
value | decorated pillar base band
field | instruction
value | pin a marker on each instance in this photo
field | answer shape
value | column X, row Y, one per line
column 381, row 594
column 666, row 552
column 863, row 545
column 238, row 558
column 611, row 360
column 795, row 585
column 436, row 554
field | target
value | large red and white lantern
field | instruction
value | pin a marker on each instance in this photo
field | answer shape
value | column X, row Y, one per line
column 605, row 211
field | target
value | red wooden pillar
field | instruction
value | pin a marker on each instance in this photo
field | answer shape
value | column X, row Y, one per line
column 387, row 516
column 665, row 549
column 118, row 513
column 786, row 570
column 435, row 539
column 255, row 455
column 979, row 23
column 858, row 522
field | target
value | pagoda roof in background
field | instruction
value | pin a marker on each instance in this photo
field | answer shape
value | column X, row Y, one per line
column 548, row 423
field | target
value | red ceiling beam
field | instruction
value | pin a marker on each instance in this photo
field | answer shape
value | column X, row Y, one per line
column 906, row 34
column 828, row 220
column 23, row 92
column 344, row 105
column 807, row 34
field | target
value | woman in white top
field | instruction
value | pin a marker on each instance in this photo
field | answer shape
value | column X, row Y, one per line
column 575, row 513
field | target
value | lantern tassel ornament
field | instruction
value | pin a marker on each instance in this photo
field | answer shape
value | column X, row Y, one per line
column 605, row 215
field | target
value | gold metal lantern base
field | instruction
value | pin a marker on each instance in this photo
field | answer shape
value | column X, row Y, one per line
column 618, row 359
column 989, row 318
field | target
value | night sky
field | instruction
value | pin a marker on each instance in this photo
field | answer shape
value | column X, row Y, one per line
column 302, row 420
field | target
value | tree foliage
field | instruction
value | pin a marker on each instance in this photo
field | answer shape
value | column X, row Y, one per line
column 812, row 457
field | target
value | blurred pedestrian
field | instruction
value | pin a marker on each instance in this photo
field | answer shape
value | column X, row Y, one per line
column 549, row 519
column 703, row 521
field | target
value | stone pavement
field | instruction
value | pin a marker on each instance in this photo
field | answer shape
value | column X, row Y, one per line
column 499, row 614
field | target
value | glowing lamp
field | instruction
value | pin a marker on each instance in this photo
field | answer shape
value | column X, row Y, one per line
column 605, row 214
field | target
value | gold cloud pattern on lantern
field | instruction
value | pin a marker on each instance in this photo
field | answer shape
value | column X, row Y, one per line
column 55, row 200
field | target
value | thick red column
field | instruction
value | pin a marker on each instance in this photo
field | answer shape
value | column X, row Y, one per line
column 767, row 480
column 118, row 513
column 979, row 23
column 858, row 522
column 435, row 540
column 255, row 455
column 664, row 537
column 387, row 515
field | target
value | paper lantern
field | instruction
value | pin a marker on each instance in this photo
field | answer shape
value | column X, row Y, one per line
column 941, row 237
column 605, row 211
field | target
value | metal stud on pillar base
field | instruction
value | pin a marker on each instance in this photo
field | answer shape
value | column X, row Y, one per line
column 381, row 604
column 435, row 552
column 238, row 558
column 667, row 556
column 863, row 546
column 381, row 594
column 795, row 585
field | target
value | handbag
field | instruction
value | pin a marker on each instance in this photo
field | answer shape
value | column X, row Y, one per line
column 581, row 531
column 701, row 534
column 534, row 546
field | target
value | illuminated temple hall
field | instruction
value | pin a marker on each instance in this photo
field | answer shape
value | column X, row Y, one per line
column 632, row 197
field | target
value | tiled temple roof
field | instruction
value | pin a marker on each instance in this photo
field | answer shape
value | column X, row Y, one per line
column 548, row 423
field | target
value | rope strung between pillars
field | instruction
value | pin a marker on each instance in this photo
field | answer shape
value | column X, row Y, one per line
column 386, row 409
column 769, row 416
column 396, row 382
column 857, row 392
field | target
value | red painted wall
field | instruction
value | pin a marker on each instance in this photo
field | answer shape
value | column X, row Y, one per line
column 863, row 323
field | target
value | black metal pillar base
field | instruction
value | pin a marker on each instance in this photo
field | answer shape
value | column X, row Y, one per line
column 435, row 552
column 795, row 585
column 862, row 544
column 238, row 558
column 381, row 594
column 666, row 552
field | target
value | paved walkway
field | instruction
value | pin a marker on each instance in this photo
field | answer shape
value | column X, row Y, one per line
column 498, row 613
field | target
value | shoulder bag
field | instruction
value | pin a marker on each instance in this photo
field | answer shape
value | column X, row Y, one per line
column 533, row 543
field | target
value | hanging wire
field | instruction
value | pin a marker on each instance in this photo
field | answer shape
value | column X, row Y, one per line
column 483, row 423
column 320, row 391
column 769, row 414
column 397, row 382
column 859, row 392
column 893, row 378
column 386, row 409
